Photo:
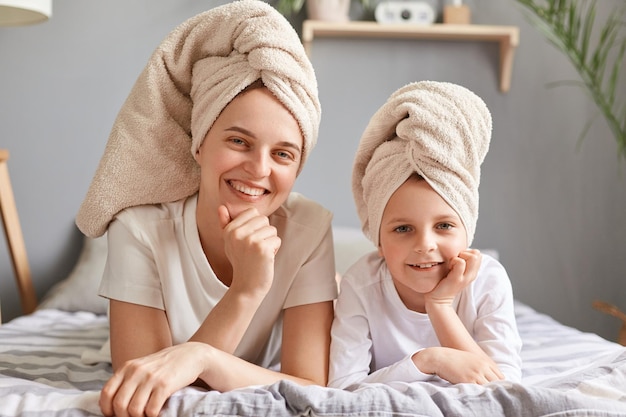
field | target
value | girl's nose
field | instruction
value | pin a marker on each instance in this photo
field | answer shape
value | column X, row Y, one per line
column 424, row 242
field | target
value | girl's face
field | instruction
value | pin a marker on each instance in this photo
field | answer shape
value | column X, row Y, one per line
column 419, row 235
column 250, row 156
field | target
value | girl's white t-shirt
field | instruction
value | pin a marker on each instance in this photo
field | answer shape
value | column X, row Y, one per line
column 374, row 335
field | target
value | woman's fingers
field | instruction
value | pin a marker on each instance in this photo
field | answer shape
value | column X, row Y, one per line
column 250, row 229
column 136, row 401
column 251, row 244
column 108, row 394
column 142, row 386
column 156, row 400
column 145, row 400
column 123, row 395
column 223, row 215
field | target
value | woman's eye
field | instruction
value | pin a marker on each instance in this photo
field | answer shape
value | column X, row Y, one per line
column 237, row 141
column 284, row 155
column 402, row 229
column 445, row 226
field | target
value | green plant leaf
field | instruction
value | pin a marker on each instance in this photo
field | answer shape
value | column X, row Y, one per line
column 571, row 25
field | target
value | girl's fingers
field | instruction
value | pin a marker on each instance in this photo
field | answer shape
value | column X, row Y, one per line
column 457, row 269
column 472, row 258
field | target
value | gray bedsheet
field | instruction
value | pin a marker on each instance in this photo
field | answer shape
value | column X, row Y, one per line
column 286, row 399
column 565, row 373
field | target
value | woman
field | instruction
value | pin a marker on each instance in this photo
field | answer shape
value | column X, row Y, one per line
column 219, row 274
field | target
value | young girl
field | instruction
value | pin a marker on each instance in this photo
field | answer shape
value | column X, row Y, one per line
column 217, row 274
column 424, row 306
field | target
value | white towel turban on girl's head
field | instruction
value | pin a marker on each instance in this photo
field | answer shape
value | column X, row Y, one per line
column 189, row 79
column 440, row 131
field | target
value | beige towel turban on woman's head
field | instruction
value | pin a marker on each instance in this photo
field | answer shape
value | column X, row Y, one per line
column 189, row 79
column 440, row 131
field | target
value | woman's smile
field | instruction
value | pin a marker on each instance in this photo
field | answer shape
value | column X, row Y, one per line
column 247, row 189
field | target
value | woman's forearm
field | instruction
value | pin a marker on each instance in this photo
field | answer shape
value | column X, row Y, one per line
column 227, row 322
column 136, row 331
column 226, row 372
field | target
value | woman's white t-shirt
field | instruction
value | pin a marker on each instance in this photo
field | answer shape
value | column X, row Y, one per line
column 155, row 259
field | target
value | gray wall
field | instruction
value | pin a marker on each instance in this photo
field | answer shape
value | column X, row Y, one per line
column 555, row 212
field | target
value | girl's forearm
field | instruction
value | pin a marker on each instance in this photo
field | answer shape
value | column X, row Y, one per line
column 450, row 330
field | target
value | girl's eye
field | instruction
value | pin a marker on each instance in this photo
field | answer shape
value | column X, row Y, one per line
column 237, row 141
column 444, row 226
column 402, row 229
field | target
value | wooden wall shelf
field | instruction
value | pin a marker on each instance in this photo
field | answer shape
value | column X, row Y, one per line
column 506, row 36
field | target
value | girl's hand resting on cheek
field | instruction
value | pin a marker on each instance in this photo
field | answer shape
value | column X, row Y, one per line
column 457, row 366
column 463, row 271
column 251, row 244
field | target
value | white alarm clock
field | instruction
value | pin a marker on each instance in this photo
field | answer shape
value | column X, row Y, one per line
column 415, row 12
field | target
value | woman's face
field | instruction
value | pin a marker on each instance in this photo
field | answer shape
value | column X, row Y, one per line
column 251, row 155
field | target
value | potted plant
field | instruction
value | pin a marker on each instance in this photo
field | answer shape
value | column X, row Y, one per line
column 597, row 53
column 329, row 10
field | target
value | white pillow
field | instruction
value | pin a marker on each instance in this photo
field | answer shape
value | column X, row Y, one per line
column 79, row 291
column 350, row 245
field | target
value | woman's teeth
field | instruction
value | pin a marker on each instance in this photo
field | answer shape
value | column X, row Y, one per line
column 247, row 190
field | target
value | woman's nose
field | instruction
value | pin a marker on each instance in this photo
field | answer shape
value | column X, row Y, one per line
column 259, row 164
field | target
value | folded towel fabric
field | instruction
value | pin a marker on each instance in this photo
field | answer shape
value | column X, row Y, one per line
column 438, row 130
column 189, row 79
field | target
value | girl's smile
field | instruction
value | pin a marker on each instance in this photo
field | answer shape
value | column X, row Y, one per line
column 426, row 266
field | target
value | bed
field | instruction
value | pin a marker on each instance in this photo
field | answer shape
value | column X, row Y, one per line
column 49, row 367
